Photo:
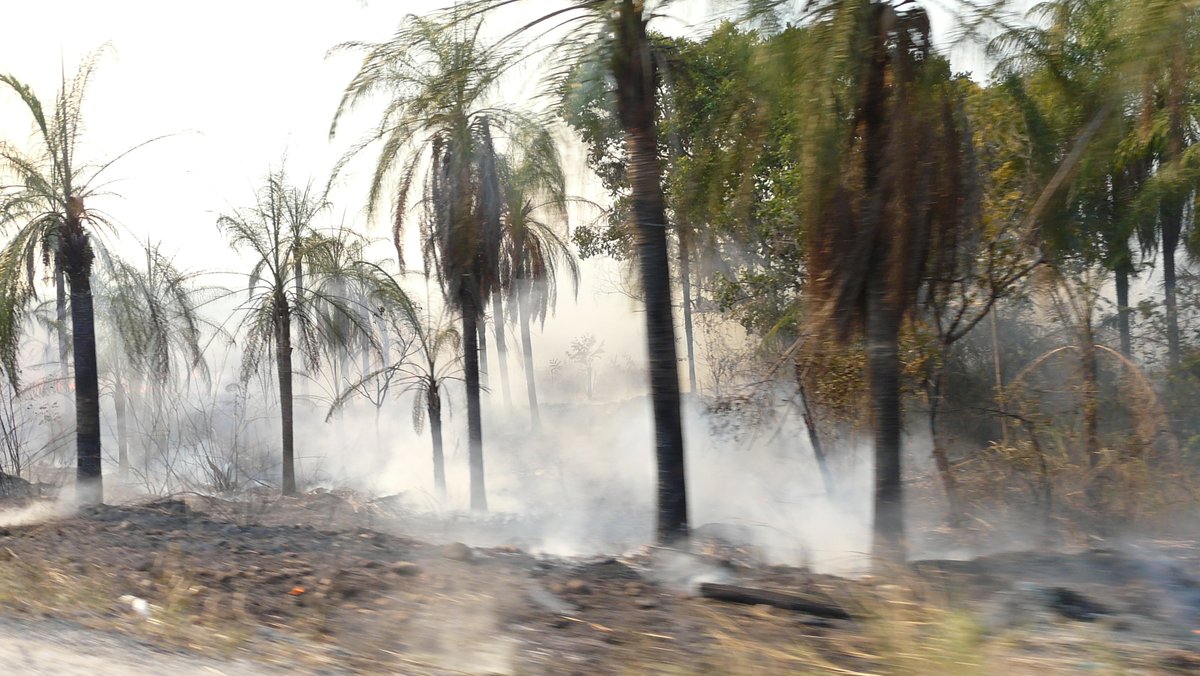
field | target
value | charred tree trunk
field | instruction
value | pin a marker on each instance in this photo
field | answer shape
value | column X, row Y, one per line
column 283, row 362
column 501, row 347
column 1123, row 311
column 634, row 71
column 471, row 360
column 119, row 403
column 1172, row 224
column 434, row 408
column 89, row 488
column 523, row 314
column 883, row 375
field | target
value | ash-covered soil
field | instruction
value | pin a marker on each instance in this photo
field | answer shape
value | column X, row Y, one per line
column 328, row 583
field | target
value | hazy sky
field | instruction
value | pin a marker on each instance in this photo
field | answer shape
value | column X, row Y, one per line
column 237, row 83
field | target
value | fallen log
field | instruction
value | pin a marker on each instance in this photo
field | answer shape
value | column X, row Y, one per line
column 747, row 595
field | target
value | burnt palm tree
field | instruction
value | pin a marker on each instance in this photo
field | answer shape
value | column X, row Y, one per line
column 436, row 137
column 279, row 235
column 51, row 224
column 612, row 36
column 892, row 198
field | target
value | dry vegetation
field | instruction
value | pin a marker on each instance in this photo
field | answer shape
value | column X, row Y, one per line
column 302, row 583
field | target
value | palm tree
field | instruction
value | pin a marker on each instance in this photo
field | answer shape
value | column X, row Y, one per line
column 46, row 209
column 439, row 125
column 422, row 372
column 150, row 318
column 534, row 198
column 278, row 232
column 1160, row 56
column 613, row 35
column 892, row 200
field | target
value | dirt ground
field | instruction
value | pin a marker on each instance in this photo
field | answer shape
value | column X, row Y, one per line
column 329, row 583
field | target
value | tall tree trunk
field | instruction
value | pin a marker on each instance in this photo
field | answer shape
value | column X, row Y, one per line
column 119, row 403
column 60, row 307
column 1172, row 223
column 998, row 375
column 89, row 487
column 481, row 334
column 283, row 361
column 1172, row 211
column 1123, row 311
column 501, row 347
column 954, row 509
column 883, row 374
column 1090, row 372
column 434, row 408
column 471, row 361
column 523, row 314
column 633, row 69
column 814, row 436
column 685, row 275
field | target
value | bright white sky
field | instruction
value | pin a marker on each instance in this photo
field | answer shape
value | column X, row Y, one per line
column 239, row 83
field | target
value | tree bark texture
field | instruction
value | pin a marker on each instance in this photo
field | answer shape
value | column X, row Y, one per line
column 283, row 363
column 89, row 488
column 633, row 68
column 883, row 375
column 471, row 360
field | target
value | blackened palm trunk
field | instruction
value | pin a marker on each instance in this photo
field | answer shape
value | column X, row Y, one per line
column 471, row 359
column 434, row 408
column 1122, row 281
column 89, row 487
column 501, row 347
column 1172, row 225
column 883, row 375
column 633, row 68
column 283, row 363
column 523, row 314
column 119, row 403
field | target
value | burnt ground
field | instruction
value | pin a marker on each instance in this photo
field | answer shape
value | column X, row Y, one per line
column 326, row 583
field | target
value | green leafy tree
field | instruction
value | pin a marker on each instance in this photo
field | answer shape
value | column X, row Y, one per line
column 1160, row 61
